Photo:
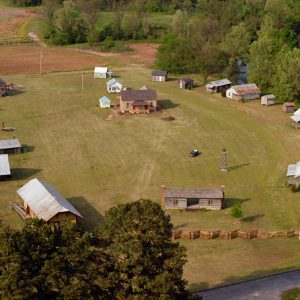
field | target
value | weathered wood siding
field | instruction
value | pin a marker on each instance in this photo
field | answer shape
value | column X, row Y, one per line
column 182, row 203
column 159, row 78
column 127, row 105
column 250, row 96
column 292, row 180
column 63, row 217
column 175, row 203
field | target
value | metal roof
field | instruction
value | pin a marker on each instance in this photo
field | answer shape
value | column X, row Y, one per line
column 9, row 144
column 292, row 104
column 143, row 88
column 4, row 165
column 220, row 82
column 296, row 118
column 44, row 200
column 101, row 69
column 159, row 73
column 213, row 193
column 297, row 112
column 244, row 89
column 112, row 82
column 138, row 95
column 186, row 80
column 270, row 96
column 294, row 170
column 104, row 99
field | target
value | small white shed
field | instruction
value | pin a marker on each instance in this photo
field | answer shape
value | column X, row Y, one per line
column 114, row 86
column 104, row 102
column 268, row 99
column 102, row 72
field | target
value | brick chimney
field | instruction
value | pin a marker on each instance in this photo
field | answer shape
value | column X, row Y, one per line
column 223, row 200
column 162, row 195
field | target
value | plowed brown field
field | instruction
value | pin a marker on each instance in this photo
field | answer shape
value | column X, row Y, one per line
column 26, row 59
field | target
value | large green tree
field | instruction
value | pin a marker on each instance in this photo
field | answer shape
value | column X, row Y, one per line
column 138, row 237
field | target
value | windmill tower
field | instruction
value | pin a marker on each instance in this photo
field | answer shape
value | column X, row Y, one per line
column 223, row 161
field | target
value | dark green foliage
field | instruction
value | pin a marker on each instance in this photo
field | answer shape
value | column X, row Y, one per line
column 150, row 265
column 26, row 2
column 236, row 211
column 130, row 256
column 295, row 188
column 108, row 43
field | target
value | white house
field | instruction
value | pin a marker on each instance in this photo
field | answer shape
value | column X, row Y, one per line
column 114, row 86
column 268, row 99
column 102, row 72
column 104, row 102
column 158, row 75
column 243, row 92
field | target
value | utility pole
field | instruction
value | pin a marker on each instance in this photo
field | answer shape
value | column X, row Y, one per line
column 82, row 82
column 41, row 63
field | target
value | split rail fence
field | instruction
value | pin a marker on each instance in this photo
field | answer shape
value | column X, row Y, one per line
column 229, row 235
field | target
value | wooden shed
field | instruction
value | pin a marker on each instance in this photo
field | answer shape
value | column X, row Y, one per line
column 42, row 201
column 192, row 199
column 268, row 100
column 158, row 75
column 240, row 92
column 3, row 88
column 102, row 72
column 218, row 86
column 104, row 102
column 10, row 146
column 293, row 174
column 288, row 107
column 185, row 83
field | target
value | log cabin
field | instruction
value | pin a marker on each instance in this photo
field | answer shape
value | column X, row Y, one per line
column 192, row 199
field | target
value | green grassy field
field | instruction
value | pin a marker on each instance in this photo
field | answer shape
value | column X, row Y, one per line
column 96, row 163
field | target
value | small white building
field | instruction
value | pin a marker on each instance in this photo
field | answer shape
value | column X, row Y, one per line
column 296, row 118
column 160, row 76
column 243, row 92
column 4, row 166
column 102, row 72
column 104, row 102
column 268, row 100
column 218, row 86
column 114, row 86
column 293, row 174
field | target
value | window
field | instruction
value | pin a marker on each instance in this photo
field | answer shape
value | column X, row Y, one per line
column 151, row 104
column 176, row 202
column 210, row 202
column 127, row 105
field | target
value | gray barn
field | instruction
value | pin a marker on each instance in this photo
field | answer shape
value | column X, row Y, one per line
column 192, row 199
column 158, row 75
column 10, row 146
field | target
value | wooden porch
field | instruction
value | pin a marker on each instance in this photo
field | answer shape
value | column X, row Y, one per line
column 19, row 208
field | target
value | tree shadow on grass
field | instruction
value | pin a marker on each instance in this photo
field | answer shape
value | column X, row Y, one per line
column 180, row 226
column 91, row 217
column 196, row 287
column 236, row 167
column 230, row 202
column 167, row 103
column 22, row 173
column 252, row 218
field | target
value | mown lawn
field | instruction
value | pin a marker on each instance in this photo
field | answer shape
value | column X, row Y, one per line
column 97, row 163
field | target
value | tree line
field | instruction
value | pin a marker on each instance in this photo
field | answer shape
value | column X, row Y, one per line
column 212, row 37
column 130, row 255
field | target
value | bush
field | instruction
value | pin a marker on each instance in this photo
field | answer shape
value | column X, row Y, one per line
column 108, row 43
column 295, row 188
column 236, row 211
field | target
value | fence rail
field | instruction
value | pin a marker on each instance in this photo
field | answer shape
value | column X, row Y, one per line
column 229, row 235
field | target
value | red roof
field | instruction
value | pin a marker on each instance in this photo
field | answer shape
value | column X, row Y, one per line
column 244, row 89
